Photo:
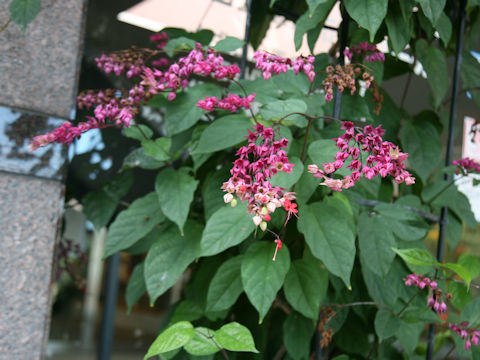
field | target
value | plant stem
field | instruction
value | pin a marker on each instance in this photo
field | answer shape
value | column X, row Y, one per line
column 246, row 95
column 4, row 26
column 280, row 353
column 373, row 348
column 305, row 139
column 408, row 303
column 449, row 352
column 222, row 350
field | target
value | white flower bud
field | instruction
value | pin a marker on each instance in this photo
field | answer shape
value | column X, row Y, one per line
column 227, row 198
column 263, row 225
column 271, row 207
column 257, row 220
column 233, row 203
column 264, row 211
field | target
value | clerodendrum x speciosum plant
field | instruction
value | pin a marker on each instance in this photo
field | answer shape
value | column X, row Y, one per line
column 322, row 208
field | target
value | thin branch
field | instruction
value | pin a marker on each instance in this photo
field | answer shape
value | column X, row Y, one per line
column 405, row 90
column 408, row 303
column 4, row 26
column 222, row 350
column 449, row 352
column 280, row 353
column 373, row 348
column 280, row 304
column 364, row 303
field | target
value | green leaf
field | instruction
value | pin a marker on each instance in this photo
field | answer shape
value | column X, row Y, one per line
column 460, row 294
column 322, row 151
column 399, row 28
column 435, row 65
column 328, row 238
column 227, row 227
column 23, row 12
column 460, row 271
column 471, row 263
column 418, row 257
column 212, row 194
column 261, row 276
column 169, row 257
column 375, row 241
column 158, row 148
column 145, row 243
column 172, row 338
column 202, row 343
column 138, row 158
column 408, row 335
column 235, row 337
column 309, row 20
column 381, row 290
column 305, row 286
column 135, row 287
column 226, row 285
column 471, row 312
column 183, row 112
column 138, row 132
column 306, row 186
column 179, row 43
column 386, row 324
column 175, row 190
column 230, row 43
column 275, row 110
column 369, row 14
column 290, row 83
column 223, row 133
column 444, row 28
column 297, row 334
column 432, row 9
column 187, row 310
column 421, row 141
column 287, row 180
column 404, row 223
column 133, row 223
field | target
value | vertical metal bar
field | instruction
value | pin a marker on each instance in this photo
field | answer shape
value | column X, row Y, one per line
column 109, row 305
column 449, row 155
column 243, row 62
column 343, row 33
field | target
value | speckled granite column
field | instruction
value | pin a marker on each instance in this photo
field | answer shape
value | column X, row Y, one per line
column 38, row 79
column 29, row 214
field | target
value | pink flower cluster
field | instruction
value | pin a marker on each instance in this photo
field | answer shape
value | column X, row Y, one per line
column 230, row 103
column 257, row 162
column 161, row 38
column 65, row 133
column 365, row 49
column 467, row 165
column 197, row 61
column 112, row 64
column 436, row 299
column 471, row 336
column 384, row 158
column 274, row 64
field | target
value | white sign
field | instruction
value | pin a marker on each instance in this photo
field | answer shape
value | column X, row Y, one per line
column 471, row 149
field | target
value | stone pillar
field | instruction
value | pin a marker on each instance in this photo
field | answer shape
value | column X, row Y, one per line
column 38, row 83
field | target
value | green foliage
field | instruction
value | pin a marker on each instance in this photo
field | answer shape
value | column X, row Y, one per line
column 343, row 260
column 23, row 12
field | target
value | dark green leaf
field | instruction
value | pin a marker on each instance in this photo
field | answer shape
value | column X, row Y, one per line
column 133, row 223
column 183, row 112
column 136, row 286
column 287, row 180
column 261, row 276
column 275, row 110
column 309, row 21
column 169, row 257
column 230, row 43
column 290, row 83
column 432, row 9
column 399, row 28
column 158, row 148
column 435, row 65
column 99, row 208
column 375, row 240
column 223, row 133
column 444, row 28
column 329, row 239
column 381, row 290
column 175, row 190
column 138, row 132
column 212, row 193
column 145, row 243
column 404, row 223
column 138, row 158
column 422, row 143
column 471, row 312
column 305, row 286
column 408, row 334
column 461, row 296
column 187, row 310
column 172, row 338
column 226, row 285
column 23, row 12
column 235, row 337
column 386, row 324
column 297, row 334
column 225, row 228
column 369, row 14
